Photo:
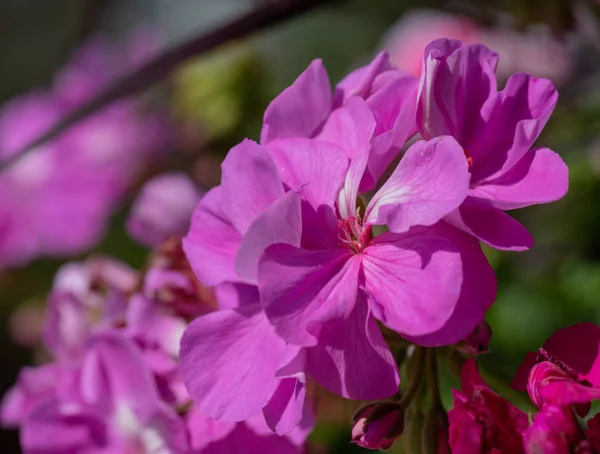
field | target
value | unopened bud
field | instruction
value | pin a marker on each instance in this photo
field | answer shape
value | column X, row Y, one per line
column 377, row 425
column 477, row 342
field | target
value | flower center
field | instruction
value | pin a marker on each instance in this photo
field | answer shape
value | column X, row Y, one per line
column 355, row 235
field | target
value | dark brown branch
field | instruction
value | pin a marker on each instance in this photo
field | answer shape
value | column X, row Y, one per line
column 157, row 69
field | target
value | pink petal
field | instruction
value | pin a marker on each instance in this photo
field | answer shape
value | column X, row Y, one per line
column 520, row 113
column 203, row 430
column 231, row 295
column 360, row 81
column 414, row 281
column 351, row 127
column 301, row 108
column 456, row 84
column 212, row 242
column 318, row 167
column 541, row 176
column 521, row 377
column 431, row 181
column 114, row 373
column 285, row 408
column 228, row 362
column 352, row 358
column 492, row 226
column 568, row 392
column 280, row 223
column 478, row 291
column 394, row 107
column 301, row 290
column 250, row 183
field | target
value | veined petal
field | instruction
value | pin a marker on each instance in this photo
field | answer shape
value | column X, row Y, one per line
column 413, row 281
column 250, row 183
column 212, row 242
column 301, row 108
column 302, row 290
column 541, row 176
column 520, row 113
column 478, row 290
column 228, row 362
column 279, row 223
column 317, row 166
column 431, row 181
column 492, row 226
column 352, row 358
column 351, row 127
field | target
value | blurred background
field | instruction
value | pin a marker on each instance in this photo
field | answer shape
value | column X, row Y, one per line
column 55, row 55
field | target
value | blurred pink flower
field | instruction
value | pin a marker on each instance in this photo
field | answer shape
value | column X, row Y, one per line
column 163, row 208
column 535, row 51
column 56, row 200
column 406, row 40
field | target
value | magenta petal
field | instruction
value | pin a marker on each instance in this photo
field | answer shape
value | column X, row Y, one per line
column 228, row 362
column 456, row 84
column 352, row 358
column 351, row 127
column 492, row 226
column 250, row 183
column 301, row 290
column 477, row 294
column 318, row 167
column 280, row 223
column 541, row 176
column 431, row 181
column 360, row 81
column 414, row 281
column 212, row 242
column 285, row 408
column 203, row 430
column 519, row 115
column 114, row 373
column 230, row 295
column 568, row 392
column 519, row 381
column 301, row 108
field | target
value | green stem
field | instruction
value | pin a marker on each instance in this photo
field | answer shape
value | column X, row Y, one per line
column 416, row 376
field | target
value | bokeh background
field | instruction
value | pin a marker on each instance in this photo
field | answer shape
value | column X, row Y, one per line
column 213, row 101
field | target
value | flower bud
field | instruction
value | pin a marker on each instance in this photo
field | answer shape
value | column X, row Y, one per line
column 477, row 342
column 377, row 425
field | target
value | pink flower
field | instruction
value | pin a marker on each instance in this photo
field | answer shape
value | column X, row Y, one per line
column 406, row 39
column 57, row 200
column 481, row 420
column 496, row 129
column 377, row 425
column 565, row 371
column 301, row 110
column 554, row 431
column 163, row 208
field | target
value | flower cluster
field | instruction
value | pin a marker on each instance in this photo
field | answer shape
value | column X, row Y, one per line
column 337, row 224
column 113, row 385
column 561, row 379
column 56, row 200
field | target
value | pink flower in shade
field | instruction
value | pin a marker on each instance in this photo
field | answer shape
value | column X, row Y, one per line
column 86, row 297
column 163, row 208
column 458, row 96
column 407, row 39
column 56, row 200
column 592, row 433
column 253, row 436
column 481, row 420
column 302, row 109
column 554, row 431
column 110, row 404
column 565, row 371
